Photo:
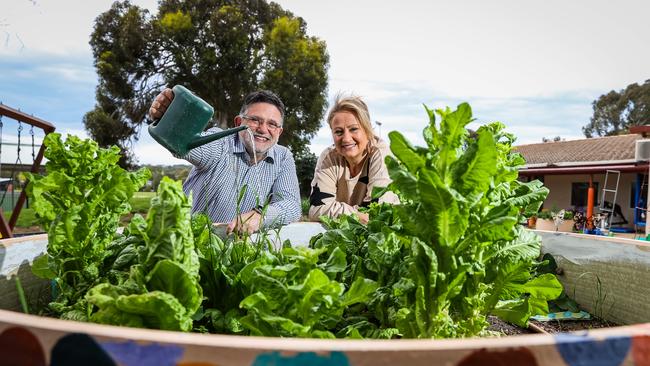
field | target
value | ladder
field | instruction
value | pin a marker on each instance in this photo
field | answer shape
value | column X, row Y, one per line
column 608, row 191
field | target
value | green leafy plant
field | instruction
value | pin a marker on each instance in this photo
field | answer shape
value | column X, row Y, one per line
column 154, row 276
column 453, row 251
column 435, row 265
column 79, row 202
column 568, row 215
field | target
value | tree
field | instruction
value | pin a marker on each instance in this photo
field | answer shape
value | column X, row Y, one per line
column 615, row 112
column 219, row 49
column 305, row 166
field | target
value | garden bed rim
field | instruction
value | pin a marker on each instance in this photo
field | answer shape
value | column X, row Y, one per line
column 13, row 319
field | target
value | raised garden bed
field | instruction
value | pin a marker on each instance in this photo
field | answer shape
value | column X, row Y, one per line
column 606, row 275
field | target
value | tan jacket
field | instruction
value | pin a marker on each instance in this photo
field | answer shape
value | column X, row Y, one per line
column 334, row 192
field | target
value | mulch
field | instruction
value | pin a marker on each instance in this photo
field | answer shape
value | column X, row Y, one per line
column 551, row 327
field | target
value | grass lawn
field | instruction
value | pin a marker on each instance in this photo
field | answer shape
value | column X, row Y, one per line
column 27, row 219
column 141, row 201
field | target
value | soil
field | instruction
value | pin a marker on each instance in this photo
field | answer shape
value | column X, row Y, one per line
column 550, row 327
column 32, row 230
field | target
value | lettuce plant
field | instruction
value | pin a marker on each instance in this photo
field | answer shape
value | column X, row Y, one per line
column 162, row 288
column 79, row 202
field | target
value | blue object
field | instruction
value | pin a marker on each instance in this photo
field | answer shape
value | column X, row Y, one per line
column 595, row 231
column 621, row 230
column 639, row 200
column 583, row 350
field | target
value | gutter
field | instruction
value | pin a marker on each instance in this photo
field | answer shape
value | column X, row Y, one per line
column 642, row 167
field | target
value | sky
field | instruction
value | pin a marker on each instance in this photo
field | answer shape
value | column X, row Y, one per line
column 536, row 66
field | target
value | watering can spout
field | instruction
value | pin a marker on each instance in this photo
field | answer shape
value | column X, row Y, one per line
column 179, row 130
column 202, row 140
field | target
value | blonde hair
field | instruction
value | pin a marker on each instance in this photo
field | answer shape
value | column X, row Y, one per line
column 353, row 104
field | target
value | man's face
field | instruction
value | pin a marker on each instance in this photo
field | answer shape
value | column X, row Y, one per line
column 265, row 122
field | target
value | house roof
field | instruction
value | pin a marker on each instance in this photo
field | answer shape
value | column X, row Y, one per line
column 581, row 152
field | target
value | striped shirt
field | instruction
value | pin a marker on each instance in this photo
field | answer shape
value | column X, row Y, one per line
column 221, row 170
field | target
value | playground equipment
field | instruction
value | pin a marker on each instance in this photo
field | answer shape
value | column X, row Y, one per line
column 6, row 228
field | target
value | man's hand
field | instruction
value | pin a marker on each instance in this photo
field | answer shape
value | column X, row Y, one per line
column 248, row 222
column 363, row 217
column 160, row 104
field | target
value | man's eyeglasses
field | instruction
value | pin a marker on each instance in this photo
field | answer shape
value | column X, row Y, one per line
column 257, row 121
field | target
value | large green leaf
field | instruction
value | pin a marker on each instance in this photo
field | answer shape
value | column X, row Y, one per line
column 360, row 291
column 473, row 171
column 158, row 310
column 405, row 152
column 529, row 195
column 41, row 267
column 452, row 132
column 445, row 218
column 170, row 277
column 513, row 311
column 498, row 224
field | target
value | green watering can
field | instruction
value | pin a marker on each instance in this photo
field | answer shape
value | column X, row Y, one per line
column 179, row 129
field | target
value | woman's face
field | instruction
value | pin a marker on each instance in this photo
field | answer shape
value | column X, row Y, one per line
column 350, row 140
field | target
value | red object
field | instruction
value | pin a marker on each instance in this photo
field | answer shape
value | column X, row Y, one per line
column 590, row 204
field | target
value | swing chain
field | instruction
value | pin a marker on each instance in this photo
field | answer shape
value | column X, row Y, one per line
column 20, row 129
column 31, row 132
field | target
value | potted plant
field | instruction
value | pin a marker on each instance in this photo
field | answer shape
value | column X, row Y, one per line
column 555, row 220
column 532, row 222
column 566, row 223
column 545, row 221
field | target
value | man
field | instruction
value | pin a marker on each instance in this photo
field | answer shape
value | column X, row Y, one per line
column 223, row 168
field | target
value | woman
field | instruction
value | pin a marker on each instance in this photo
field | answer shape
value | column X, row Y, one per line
column 347, row 172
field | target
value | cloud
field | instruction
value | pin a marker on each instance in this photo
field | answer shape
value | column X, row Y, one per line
column 58, row 28
column 400, row 106
column 535, row 66
column 148, row 151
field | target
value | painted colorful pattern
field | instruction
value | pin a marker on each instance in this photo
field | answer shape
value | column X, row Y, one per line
column 133, row 354
column 301, row 359
column 24, row 347
column 583, row 350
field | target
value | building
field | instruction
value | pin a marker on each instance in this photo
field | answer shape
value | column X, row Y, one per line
column 567, row 167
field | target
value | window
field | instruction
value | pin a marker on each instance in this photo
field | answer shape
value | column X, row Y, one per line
column 579, row 194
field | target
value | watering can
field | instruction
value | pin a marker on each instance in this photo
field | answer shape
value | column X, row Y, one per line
column 179, row 129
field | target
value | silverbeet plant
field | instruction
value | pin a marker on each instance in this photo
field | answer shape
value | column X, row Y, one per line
column 453, row 251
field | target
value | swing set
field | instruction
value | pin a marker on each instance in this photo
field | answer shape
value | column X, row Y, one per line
column 6, row 228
